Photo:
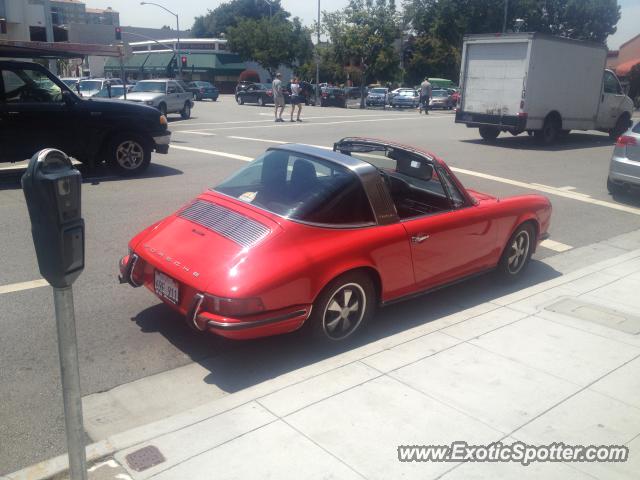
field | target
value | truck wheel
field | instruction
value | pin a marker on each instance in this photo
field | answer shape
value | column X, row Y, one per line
column 621, row 126
column 549, row 133
column 129, row 154
column 185, row 113
column 489, row 134
column 163, row 109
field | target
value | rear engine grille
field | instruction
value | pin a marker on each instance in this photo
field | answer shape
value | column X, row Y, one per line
column 238, row 228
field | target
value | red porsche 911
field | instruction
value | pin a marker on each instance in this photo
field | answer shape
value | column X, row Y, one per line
column 304, row 236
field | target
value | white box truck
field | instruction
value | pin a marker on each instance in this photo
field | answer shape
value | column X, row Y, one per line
column 541, row 84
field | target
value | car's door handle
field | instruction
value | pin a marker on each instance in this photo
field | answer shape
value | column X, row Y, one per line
column 419, row 238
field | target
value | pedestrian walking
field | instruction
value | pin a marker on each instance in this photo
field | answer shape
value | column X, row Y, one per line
column 296, row 98
column 425, row 96
column 278, row 97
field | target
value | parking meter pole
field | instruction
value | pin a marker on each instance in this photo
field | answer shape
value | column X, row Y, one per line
column 70, row 375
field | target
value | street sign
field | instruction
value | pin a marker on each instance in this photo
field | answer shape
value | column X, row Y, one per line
column 52, row 190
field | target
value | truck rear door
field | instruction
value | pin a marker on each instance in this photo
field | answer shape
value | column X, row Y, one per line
column 494, row 77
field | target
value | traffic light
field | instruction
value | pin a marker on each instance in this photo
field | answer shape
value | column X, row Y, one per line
column 183, row 61
column 118, row 33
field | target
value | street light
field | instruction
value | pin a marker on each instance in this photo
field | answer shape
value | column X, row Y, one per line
column 177, row 31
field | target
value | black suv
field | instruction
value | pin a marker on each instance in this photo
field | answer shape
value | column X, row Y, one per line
column 37, row 110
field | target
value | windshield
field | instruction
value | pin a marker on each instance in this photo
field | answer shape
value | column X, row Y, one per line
column 116, row 91
column 87, row 85
column 70, row 82
column 299, row 187
column 378, row 90
column 157, row 87
column 408, row 94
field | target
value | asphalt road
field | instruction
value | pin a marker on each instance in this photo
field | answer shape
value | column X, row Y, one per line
column 126, row 334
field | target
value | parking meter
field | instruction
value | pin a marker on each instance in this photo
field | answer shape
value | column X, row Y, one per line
column 52, row 189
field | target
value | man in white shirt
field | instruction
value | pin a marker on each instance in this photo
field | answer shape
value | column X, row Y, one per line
column 425, row 96
column 278, row 97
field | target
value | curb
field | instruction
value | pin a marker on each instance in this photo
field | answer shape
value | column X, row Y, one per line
column 53, row 467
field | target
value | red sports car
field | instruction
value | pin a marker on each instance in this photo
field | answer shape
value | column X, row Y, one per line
column 310, row 237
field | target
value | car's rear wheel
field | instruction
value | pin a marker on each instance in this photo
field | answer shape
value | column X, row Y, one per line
column 163, row 109
column 343, row 308
column 489, row 133
column 517, row 252
column 622, row 124
column 129, row 154
column 185, row 113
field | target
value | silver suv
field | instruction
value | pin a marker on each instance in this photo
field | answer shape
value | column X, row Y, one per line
column 164, row 94
column 624, row 169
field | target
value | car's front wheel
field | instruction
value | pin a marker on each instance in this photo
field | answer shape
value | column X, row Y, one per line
column 129, row 153
column 240, row 100
column 185, row 113
column 343, row 308
column 260, row 102
column 163, row 109
column 517, row 252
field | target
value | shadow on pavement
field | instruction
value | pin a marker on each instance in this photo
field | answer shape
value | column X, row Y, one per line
column 236, row 365
column 573, row 141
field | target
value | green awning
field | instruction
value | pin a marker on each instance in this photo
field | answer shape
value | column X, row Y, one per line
column 218, row 64
column 158, row 62
column 134, row 62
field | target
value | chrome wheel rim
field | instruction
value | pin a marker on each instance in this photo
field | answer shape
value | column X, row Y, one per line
column 344, row 311
column 518, row 252
column 130, row 155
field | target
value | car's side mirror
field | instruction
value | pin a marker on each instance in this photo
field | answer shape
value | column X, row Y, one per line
column 67, row 98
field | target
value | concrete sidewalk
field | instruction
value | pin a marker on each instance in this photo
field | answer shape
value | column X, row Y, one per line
column 555, row 362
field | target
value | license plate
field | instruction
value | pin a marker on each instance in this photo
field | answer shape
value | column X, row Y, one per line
column 166, row 287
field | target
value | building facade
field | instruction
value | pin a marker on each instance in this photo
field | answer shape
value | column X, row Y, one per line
column 623, row 59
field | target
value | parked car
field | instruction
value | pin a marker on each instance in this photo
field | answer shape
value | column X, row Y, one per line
column 441, row 99
column 91, row 86
column 38, row 110
column 377, row 97
column 116, row 91
column 397, row 91
column 405, row 98
column 260, row 93
column 333, row 97
column 202, row 90
column 519, row 82
column 624, row 169
column 71, row 82
column 308, row 238
column 164, row 94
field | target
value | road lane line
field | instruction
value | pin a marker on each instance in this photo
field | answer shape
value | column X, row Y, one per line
column 212, row 152
column 195, row 132
column 555, row 246
column 18, row 287
column 263, row 140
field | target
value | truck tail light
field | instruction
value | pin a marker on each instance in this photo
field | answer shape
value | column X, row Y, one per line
column 523, row 115
column 626, row 140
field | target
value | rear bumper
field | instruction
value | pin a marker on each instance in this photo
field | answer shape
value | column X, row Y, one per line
column 624, row 170
column 507, row 122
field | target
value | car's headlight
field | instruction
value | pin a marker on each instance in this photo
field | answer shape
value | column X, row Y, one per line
column 149, row 102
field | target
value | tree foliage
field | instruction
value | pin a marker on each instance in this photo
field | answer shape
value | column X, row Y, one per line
column 228, row 14
column 363, row 37
column 271, row 41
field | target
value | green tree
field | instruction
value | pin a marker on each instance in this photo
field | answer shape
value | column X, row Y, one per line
column 217, row 21
column 271, row 41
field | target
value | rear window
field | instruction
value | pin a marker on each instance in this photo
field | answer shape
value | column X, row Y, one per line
column 300, row 187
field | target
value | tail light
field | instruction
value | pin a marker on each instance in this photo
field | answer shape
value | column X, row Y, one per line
column 324, row 94
column 626, row 140
column 269, row 92
column 232, row 307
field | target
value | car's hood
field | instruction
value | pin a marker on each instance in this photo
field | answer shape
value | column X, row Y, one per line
column 207, row 242
column 120, row 107
column 143, row 96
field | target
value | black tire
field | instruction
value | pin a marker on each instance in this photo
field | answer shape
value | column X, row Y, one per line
column 333, row 318
column 489, row 134
column 185, row 113
column 622, row 124
column 260, row 102
column 614, row 188
column 240, row 100
column 517, row 252
column 550, row 131
column 162, row 108
column 129, row 153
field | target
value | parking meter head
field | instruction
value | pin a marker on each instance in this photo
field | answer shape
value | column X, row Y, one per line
column 51, row 188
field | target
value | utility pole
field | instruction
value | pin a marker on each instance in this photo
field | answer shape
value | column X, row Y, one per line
column 318, row 59
column 48, row 23
column 506, row 10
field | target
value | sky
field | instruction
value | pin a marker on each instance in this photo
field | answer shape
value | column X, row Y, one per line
column 134, row 14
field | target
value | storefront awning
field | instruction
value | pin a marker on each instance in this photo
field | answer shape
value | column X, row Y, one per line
column 624, row 69
column 217, row 64
column 158, row 62
column 135, row 62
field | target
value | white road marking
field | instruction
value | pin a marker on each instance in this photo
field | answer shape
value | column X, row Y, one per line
column 567, row 187
column 258, row 140
column 18, row 287
column 195, row 132
column 555, row 246
column 213, row 152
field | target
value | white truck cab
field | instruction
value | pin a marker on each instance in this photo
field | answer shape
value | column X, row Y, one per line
column 540, row 84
